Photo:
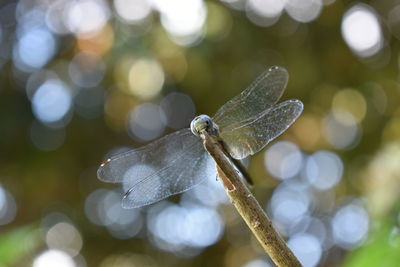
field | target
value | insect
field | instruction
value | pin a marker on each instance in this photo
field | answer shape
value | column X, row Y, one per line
column 177, row 162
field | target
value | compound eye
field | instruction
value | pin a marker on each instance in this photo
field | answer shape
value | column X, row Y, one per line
column 200, row 123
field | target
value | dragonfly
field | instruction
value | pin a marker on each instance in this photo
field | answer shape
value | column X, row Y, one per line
column 178, row 162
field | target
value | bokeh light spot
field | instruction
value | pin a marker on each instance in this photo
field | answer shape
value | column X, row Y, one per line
column 350, row 226
column 267, row 8
column 183, row 19
column 175, row 227
column 56, row 11
column 65, row 237
column 8, row 207
column 351, row 101
column 289, row 203
column 133, row 11
column 257, row 263
column 324, row 170
column 146, row 78
column 306, row 248
column 146, row 122
column 87, row 17
column 303, row 10
column 103, row 207
column 203, row 227
column 35, row 47
column 52, row 101
column 283, row 160
column 361, row 30
column 51, row 258
column 342, row 133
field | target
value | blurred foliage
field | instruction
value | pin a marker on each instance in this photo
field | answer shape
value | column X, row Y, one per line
column 16, row 246
column 381, row 250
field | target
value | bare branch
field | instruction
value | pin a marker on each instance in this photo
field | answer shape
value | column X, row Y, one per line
column 248, row 207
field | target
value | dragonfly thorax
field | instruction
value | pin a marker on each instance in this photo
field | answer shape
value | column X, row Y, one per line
column 201, row 123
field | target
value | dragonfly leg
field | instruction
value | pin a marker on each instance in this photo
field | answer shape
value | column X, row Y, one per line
column 241, row 169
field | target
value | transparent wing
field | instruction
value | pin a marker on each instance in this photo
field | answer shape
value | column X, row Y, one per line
column 254, row 134
column 167, row 166
column 258, row 98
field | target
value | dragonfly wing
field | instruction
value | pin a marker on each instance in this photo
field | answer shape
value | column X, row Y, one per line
column 253, row 135
column 167, row 166
column 259, row 97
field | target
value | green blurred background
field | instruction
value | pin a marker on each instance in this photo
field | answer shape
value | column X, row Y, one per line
column 81, row 80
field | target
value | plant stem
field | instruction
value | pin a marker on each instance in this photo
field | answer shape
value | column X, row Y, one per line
column 248, row 207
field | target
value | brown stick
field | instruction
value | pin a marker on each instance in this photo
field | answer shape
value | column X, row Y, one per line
column 248, row 207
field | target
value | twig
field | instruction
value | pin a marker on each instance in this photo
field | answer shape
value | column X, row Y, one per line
column 248, row 207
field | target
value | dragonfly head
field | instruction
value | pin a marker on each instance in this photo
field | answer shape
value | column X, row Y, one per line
column 201, row 123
